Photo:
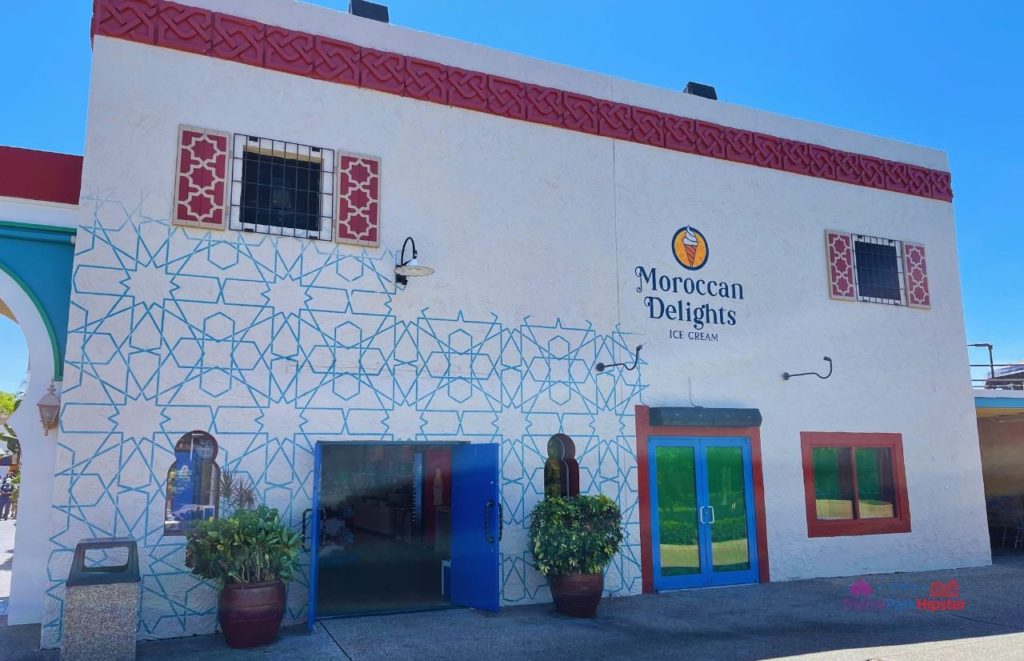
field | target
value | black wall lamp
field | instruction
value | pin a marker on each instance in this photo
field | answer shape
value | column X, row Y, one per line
column 409, row 268
column 600, row 367
column 786, row 376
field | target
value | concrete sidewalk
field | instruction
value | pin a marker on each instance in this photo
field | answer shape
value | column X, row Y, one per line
column 822, row 618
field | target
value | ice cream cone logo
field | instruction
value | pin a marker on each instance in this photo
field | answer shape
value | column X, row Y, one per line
column 690, row 248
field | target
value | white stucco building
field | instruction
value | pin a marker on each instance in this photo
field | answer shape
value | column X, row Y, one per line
column 251, row 173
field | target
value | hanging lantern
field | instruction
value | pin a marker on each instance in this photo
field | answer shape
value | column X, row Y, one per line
column 49, row 410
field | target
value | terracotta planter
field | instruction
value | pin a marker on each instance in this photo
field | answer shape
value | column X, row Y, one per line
column 250, row 615
column 577, row 595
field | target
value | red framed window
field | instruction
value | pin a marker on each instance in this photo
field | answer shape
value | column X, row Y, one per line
column 854, row 484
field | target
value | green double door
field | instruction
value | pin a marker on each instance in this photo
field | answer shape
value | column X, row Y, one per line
column 702, row 511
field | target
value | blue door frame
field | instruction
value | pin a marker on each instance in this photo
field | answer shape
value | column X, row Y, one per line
column 314, row 544
column 707, row 576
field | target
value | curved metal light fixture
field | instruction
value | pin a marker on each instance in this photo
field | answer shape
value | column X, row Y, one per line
column 600, row 367
column 409, row 268
column 786, row 376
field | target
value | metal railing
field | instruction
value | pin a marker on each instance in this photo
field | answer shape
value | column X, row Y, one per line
column 996, row 376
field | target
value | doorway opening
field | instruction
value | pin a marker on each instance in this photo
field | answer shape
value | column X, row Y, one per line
column 403, row 527
column 385, row 528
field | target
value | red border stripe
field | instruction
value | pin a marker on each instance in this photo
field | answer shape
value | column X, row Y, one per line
column 40, row 175
column 246, row 41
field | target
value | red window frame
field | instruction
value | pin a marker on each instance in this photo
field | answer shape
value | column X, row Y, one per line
column 816, row 527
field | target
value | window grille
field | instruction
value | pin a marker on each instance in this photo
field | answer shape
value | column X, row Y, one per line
column 878, row 271
column 282, row 188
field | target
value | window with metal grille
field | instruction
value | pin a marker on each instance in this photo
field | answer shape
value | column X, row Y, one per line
column 878, row 269
column 282, row 188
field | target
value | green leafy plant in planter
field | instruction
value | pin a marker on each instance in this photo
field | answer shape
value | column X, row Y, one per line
column 573, row 540
column 250, row 554
column 250, row 546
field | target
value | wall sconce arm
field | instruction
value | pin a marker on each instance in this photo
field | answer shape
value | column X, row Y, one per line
column 786, row 376
column 600, row 367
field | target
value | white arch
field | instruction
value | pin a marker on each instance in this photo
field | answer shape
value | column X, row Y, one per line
column 38, row 452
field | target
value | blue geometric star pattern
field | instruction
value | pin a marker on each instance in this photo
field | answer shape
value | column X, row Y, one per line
column 274, row 344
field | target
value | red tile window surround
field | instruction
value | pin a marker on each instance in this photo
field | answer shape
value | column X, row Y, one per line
column 870, row 499
column 200, row 31
column 201, row 180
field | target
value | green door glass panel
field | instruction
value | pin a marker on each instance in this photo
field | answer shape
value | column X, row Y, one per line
column 727, row 516
column 677, row 510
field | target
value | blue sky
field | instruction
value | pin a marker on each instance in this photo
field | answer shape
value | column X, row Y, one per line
column 941, row 74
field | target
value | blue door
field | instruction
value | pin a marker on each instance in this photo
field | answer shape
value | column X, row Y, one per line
column 476, row 526
column 314, row 537
column 702, row 511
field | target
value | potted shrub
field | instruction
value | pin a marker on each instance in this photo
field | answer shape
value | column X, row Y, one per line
column 573, row 540
column 250, row 554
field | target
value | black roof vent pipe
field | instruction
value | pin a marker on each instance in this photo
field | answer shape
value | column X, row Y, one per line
column 699, row 89
column 370, row 10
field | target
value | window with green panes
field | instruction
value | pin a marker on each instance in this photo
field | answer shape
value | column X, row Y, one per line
column 854, row 483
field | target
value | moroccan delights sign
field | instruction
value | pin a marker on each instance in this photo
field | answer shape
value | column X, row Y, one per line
column 696, row 307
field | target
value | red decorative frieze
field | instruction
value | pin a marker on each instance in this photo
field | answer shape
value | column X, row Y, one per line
column 915, row 269
column 467, row 89
column 848, row 167
column 648, row 127
column 822, row 162
column 580, row 112
column 839, row 246
column 426, row 80
column 382, row 71
column 134, row 20
column 615, row 120
column 249, row 42
column 238, row 39
column 897, row 177
column 336, row 61
column 710, row 139
column 506, row 97
column 184, row 28
column 918, row 181
column 942, row 187
column 872, row 172
column 289, row 51
column 796, row 157
column 544, row 105
column 739, row 146
column 681, row 134
column 200, row 192
column 767, row 151
column 358, row 221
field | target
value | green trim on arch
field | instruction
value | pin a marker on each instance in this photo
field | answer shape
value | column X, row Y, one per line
column 38, row 228
column 58, row 360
